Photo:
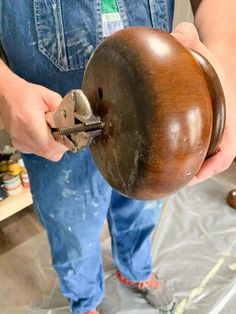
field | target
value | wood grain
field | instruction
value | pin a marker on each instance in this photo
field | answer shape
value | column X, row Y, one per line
column 155, row 101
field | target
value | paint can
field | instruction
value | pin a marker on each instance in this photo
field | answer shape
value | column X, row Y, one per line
column 14, row 168
column 3, row 166
column 25, row 179
column 12, row 184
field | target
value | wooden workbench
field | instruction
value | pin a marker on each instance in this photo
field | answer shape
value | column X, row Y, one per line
column 15, row 203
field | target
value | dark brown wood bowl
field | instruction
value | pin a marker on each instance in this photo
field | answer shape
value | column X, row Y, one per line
column 163, row 109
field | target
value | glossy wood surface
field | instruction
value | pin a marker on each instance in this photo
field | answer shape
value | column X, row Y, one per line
column 231, row 199
column 155, row 101
column 217, row 101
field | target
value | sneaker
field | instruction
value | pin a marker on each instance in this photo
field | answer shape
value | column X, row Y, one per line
column 154, row 291
column 92, row 312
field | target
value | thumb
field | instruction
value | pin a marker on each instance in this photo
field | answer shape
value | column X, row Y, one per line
column 52, row 99
column 187, row 35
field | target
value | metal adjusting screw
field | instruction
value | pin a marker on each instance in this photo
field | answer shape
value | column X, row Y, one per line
column 73, row 124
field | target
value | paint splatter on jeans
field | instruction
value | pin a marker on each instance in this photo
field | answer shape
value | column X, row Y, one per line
column 72, row 201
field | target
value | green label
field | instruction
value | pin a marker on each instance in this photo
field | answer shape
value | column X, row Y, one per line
column 109, row 6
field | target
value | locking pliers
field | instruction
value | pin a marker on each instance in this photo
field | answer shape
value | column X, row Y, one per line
column 73, row 123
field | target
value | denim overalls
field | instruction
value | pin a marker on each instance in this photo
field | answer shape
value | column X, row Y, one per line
column 49, row 42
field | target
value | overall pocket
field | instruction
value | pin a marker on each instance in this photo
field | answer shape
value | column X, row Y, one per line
column 68, row 36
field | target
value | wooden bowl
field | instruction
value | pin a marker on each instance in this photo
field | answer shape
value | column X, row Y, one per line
column 163, row 109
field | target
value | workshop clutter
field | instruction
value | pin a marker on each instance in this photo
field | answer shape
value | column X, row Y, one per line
column 13, row 174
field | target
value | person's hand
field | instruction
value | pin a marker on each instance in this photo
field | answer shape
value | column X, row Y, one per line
column 22, row 108
column 187, row 34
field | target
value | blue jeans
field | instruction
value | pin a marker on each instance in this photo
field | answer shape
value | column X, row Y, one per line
column 71, row 198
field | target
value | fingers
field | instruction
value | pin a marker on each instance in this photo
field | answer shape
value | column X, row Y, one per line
column 54, row 150
column 211, row 167
column 223, row 159
column 23, row 109
column 51, row 99
column 187, row 35
column 44, row 143
column 37, row 137
column 49, row 149
column 220, row 161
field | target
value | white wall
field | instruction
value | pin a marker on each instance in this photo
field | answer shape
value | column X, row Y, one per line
column 183, row 11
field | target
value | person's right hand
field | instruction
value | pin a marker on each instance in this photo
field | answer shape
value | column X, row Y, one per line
column 22, row 108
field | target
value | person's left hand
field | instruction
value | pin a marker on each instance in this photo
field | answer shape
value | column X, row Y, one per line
column 187, row 34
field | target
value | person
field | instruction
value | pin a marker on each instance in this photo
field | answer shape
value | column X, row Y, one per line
column 47, row 44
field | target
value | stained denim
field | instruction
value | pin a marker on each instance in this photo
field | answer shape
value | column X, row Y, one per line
column 49, row 42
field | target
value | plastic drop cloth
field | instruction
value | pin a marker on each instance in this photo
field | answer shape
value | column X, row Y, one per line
column 194, row 249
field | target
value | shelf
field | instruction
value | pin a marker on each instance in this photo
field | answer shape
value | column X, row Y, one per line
column 15, row 203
